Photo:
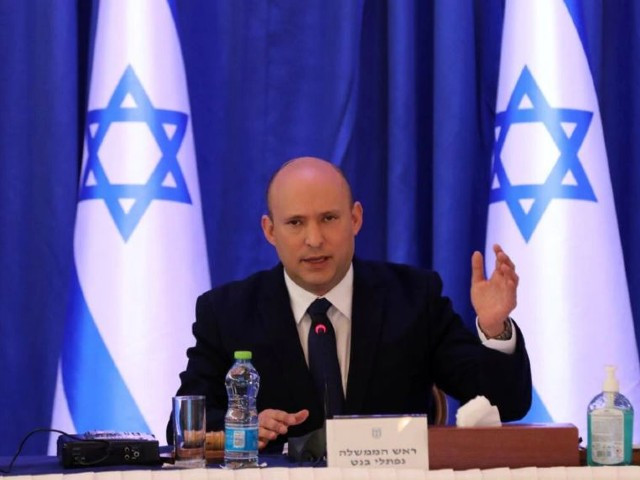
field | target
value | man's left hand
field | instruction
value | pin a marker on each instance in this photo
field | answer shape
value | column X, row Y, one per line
column 495, row 298
column 272, row 423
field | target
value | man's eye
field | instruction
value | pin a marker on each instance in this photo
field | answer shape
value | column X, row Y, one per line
column 330, row 218
column 294, row 223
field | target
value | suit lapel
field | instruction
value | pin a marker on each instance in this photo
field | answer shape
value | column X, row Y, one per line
column 280, row 328
column 366, row 324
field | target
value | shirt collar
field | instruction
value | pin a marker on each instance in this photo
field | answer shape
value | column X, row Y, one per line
column 340, row 296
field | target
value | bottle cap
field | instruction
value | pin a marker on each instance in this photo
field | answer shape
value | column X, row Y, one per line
column 242, row 355
column 610, row 382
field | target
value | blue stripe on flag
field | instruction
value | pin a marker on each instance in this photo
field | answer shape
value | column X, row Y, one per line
column 174, row 11
column 575, row 12
column 97, row 396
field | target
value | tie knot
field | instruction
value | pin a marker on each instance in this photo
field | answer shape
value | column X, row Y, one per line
column 319, row 306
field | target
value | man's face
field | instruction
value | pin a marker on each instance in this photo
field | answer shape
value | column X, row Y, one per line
column 312, row 224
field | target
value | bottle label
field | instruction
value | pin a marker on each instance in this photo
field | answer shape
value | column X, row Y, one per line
column 241, row 439
column 607, row 436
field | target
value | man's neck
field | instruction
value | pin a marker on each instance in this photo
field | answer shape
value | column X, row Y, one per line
column 341, row 296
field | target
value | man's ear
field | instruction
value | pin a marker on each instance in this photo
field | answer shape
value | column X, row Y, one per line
column 267, row 229
column 356, row 217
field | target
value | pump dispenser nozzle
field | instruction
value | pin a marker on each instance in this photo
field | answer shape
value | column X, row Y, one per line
column 610, row 382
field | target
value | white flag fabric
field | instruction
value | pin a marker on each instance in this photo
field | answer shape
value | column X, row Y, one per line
column 551, row 208
column 139, row 243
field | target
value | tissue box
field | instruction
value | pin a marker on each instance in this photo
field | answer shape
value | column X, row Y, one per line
column 514, row 445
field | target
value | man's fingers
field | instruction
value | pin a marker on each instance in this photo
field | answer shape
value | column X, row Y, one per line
column 477, row 267
column 273, row 423
column 502, row 257
column 509, row 273
column 276, row 422
column 288, row 419
column 507, row 269
column 267, row 434
column 299, row 417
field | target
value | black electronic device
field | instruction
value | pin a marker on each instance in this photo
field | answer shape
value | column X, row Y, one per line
column 99, row 448
column 310, row 447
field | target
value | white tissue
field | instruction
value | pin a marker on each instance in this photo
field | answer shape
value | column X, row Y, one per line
column 478, row 412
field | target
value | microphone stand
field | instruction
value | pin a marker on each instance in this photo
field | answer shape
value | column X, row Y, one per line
column 312, row 446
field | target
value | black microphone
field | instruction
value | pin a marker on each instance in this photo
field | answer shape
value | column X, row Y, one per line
column 325, row 398
column 312, row 446
column 325, row 390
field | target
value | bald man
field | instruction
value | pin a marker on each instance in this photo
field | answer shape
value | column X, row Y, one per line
column 395, row 334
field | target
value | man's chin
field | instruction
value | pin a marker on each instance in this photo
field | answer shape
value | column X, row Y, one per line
column 316, row 284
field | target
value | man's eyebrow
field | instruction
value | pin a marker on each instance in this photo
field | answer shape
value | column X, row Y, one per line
column 300, row 216
column 293, row 216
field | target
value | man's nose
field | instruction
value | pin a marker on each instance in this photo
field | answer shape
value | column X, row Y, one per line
column 314, row 237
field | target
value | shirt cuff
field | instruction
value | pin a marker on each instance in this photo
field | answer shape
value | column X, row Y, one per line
column 504, row 346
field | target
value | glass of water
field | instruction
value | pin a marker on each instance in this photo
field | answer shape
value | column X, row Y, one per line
column 189, row 431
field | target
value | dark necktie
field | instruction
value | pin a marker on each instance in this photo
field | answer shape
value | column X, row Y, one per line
column 323, row 358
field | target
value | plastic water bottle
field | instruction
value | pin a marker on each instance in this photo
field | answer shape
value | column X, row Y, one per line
column 609, row 425
column 241, row 420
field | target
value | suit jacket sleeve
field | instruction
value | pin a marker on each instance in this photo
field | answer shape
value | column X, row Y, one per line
column 464, row 368
column 253, row 314
column 406, row 337
column 208, row 363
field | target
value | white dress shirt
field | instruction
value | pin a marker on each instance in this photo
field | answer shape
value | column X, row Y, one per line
column 341, row 298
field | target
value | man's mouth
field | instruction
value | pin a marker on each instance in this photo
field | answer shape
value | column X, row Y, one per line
column 318, row 260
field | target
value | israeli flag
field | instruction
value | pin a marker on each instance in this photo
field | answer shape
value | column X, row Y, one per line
column 551, row 208
column 139, row 244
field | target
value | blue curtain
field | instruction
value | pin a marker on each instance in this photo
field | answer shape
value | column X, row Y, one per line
column 401, row 94
column 41, row 93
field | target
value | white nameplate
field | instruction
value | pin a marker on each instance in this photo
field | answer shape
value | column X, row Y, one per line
column 378, row 441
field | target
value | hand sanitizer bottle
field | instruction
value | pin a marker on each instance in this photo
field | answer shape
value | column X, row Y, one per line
column 609, row 425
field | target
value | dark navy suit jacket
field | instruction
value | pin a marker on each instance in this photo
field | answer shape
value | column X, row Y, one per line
column 405, row 336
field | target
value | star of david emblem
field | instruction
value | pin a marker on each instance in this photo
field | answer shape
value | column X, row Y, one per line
column 127, row 202
column 567, row 178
